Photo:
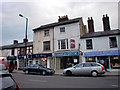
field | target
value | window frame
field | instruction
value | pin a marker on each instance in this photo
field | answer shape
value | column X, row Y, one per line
column 46, row 33
column 89, row 45
column 45, row 46
column 111, row 43
column 60, row 47
column 62, row 29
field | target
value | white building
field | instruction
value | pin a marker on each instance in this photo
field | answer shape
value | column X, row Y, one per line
column 104, row 45
column 62, row 38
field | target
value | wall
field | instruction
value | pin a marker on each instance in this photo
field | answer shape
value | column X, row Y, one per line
column 38, row 40
column 72, row 31
column 99, row 44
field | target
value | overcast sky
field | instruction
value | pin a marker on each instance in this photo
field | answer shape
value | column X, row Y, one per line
column 41, row 12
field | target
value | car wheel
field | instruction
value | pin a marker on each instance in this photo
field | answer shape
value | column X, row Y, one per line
column 43, row 73
column 94, row 73
column 68, row 73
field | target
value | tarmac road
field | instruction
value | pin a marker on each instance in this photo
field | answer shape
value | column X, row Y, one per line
column 60, row 81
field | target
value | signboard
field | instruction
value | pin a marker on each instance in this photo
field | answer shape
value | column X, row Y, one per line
column 36, row 56
column 102, row 53
column 67, row 54
column 43, row 59
column 72, row 43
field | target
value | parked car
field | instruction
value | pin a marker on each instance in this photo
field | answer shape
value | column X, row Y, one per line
column 38, row 69
column 88, row 68
column 3, row 68
column 8, row 82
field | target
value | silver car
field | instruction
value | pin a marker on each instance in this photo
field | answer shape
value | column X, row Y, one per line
column 88, row 68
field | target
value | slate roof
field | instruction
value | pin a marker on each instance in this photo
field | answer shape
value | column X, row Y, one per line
column 58, row 23
column 19, row 45
column 101, row 33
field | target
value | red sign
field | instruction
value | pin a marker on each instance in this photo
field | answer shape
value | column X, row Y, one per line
column 72, row 43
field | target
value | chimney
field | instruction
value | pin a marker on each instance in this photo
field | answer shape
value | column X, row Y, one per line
column 15, row 42
column 62, row 18
column 25, row 40
column 90, row 24
column 106, row 24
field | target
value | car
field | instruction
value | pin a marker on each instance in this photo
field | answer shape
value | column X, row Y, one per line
column 8, row 82
column 88, row 68
column 38, row 69
column 3, row 68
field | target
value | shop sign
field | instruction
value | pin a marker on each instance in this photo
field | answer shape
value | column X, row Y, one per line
column 67, row 54
column 102, row 53
column 72, row 43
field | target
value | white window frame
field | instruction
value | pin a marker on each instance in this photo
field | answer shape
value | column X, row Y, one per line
column 60, row 46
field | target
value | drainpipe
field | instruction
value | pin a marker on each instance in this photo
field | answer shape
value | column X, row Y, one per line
column 109, row 63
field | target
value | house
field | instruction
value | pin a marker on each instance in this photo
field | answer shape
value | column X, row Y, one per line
column 102, row 45
column 58, row 41
column 17, row 51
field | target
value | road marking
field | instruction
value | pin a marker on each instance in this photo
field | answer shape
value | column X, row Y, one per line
column 37, row 80
column 115, row 85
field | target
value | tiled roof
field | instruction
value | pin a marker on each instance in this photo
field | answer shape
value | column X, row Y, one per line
column 58, row 23
column 19, row 45
column 101, row 33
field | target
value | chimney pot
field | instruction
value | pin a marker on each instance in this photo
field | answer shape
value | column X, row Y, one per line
column 15, row 41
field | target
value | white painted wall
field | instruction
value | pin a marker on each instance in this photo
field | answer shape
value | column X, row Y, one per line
column 72, row 31
column 99, row 44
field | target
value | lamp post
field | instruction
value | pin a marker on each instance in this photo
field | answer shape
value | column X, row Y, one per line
column 26, row 61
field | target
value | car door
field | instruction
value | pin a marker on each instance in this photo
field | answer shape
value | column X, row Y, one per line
column 78, row 69
column 87, row 68
column 36, row 69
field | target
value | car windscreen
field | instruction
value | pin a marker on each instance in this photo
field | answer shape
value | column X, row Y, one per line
column 7, row 82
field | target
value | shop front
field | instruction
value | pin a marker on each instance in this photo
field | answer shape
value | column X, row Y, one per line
column 111, row 58
column 66, row 59
column 41, row 59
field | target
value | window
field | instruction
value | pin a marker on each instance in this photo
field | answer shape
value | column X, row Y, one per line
column 46, row 45
column 62, row 29
column 46, row 33
column 12, row 52
column 113, row 42
column 87, row 65
column 63, row 44
column 89, row 44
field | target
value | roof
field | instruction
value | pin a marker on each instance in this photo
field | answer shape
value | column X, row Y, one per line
column 19, row 45
column 101, row 33
column 58, row 23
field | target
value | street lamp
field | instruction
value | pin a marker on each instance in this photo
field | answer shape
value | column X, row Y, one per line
column 26, row 61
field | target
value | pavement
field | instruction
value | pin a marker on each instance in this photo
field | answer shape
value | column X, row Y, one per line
column 112, row 72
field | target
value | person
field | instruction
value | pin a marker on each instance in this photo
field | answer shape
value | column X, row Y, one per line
column 103, row 63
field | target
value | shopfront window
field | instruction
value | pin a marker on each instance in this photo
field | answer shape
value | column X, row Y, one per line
column 115, row 61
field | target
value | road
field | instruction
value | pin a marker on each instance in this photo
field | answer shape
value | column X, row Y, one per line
column 58, row 81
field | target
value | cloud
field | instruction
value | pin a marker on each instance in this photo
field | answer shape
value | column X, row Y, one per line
column 42, row 12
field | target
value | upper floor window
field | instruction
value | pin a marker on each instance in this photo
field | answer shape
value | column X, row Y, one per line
column 62, row 29
column 46, row 45
column 89, row 44
column 63, row 44
column 113, row 42
column 46, row 33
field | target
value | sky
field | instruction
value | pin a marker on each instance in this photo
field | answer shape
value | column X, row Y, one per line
column 41, row 12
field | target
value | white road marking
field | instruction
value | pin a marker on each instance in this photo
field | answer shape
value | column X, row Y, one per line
column 37, row 80
column 115, row 85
